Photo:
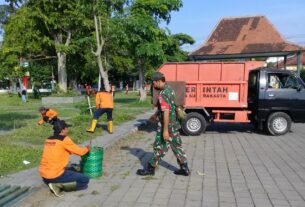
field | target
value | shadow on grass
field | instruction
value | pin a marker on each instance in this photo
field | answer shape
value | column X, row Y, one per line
column 14, row 120
column 125, row 100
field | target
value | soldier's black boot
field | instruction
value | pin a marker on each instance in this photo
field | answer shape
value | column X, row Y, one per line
column 184, row 170
column 148, row 170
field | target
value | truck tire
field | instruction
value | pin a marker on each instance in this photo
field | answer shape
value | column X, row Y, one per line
column 194, row 124
column 278, row 123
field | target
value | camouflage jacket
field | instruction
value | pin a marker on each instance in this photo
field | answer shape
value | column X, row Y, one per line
column 166, row 101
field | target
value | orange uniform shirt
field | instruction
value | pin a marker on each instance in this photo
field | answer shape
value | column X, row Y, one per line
column 55, row 156
column 104, row 100
column 50, row 114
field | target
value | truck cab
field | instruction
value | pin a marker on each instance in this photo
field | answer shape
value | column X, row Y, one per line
column 276, row 98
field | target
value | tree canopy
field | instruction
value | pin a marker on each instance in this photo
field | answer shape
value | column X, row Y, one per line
column 134, row 42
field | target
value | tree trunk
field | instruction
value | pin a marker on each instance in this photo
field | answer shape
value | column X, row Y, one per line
column 13, row 85
column 100, row 41
column 141, row 83
column 61, row 60
column 73, row 84
column 103, row 73
column 62, row 72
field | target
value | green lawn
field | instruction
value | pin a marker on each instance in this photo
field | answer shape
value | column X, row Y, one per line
column 21, row 139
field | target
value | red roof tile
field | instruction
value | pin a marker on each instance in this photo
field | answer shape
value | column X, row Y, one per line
column 245, row 35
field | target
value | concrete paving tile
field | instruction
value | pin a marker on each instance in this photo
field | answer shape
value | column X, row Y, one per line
column 145, row 199
column 162, row 201
column 174, row 204
column 262, row 202
column 193, row 203
column 110, row 204
column 227, row 199
column 279, row 202
column 210, row 204
column 298, row 203
column 227, row 204
column 137, row 204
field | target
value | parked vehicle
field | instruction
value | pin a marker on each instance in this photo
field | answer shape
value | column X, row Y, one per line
column 44, row 88
column 271, row 99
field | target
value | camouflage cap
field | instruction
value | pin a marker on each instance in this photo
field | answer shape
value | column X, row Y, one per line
column 157, row 76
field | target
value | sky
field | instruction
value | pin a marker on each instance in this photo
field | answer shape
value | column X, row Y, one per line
column 198, row 18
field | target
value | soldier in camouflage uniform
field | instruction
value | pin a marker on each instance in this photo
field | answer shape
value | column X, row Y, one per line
column 168, row 129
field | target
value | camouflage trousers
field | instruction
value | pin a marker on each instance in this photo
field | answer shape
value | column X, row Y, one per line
column 161, row 146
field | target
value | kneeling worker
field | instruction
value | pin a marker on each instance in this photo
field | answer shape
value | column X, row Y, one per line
column 55, row 159
column 104, row 104
column 47, row 115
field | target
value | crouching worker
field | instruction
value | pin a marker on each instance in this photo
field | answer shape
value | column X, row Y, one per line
column 55, row 158
column 104, row 104
column 47, row 115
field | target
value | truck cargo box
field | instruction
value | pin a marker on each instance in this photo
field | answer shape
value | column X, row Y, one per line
column 212, row 84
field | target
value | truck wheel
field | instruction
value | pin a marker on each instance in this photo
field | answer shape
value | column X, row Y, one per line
column 278, row 123
column 194, row 124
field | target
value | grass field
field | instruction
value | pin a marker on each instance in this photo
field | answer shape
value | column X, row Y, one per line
column 22, row 139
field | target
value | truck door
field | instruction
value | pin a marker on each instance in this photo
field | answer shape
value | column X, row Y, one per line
column 253, row 92
column 286, row 92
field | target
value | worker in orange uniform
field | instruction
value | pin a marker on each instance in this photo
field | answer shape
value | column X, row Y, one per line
column 113, row 89
column 55, row 158
column 47, row 115
column 104, row 104
column 126, row 88
column 88, row 89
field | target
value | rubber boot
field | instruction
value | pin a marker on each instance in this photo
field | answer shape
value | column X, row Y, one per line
column 71, row 186
column 92, row 126
column 110, row 127
column 184, row 170
column 149, row 170
column 56, row 188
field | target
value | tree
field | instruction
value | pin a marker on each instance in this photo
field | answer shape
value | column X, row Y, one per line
column 103, row 12
column 62, row 19
column 151, row 45
column 100, row 42
column 52, row 23
column 124, row 34
column 19, row 40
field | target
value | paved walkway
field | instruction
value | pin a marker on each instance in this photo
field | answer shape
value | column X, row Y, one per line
column 231, row 166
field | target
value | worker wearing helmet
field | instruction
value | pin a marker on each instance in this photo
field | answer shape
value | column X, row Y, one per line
column 167, row 133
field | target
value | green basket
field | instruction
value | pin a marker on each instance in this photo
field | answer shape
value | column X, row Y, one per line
column 92, row 162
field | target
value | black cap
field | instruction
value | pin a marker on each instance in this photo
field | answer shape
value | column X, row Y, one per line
column 157, row 76
column 59, row 125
